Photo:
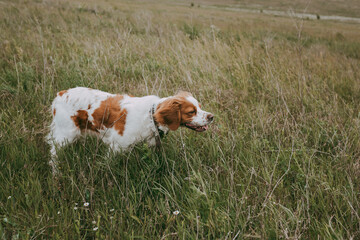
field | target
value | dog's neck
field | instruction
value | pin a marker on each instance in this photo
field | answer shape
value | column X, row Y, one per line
column 159, row 130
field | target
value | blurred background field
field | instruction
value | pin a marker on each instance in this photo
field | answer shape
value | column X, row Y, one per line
column 346, row 8
column 281, row 161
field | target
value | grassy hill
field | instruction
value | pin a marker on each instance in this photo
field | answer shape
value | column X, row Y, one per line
column 282, row 159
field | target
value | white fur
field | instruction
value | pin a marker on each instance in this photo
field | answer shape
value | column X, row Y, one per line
column 200, row 118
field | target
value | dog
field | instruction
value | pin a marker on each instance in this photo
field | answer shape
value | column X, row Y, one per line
column 121, row 121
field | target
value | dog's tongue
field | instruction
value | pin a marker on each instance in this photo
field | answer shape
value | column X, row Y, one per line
column 202, row 128
column 197, row 128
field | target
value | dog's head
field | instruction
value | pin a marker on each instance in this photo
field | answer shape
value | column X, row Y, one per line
column 182, row 110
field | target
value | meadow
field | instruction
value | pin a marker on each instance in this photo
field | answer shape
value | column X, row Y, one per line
column 281, row 160
column 348, row 8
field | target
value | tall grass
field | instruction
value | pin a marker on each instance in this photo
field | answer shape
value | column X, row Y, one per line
column 282, row 159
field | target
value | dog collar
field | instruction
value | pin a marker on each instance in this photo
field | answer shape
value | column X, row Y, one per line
column 158, row 132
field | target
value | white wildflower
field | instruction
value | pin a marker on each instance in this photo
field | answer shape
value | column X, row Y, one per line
column 176, row 212
column 111, row 210
column 93, row 222
column 86, row 204
column 9, row 197
column 75, row 208
column 58, row 212
column 95, row 228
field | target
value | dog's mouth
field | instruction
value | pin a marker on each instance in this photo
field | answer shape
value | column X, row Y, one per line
column 196, row 128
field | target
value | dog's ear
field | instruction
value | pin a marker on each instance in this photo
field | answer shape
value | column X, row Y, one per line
column 168, row 113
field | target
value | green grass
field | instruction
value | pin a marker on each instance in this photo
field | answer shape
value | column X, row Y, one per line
column 282, row 159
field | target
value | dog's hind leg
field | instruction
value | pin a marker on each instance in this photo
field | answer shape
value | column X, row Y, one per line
column 57, row 139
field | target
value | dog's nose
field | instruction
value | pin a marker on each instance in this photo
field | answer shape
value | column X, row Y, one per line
column 210, row 117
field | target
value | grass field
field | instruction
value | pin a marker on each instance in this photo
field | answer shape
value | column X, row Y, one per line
column 281, row 161
column 348, row 8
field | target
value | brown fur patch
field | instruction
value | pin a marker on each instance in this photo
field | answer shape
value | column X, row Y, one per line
column 54, row 111
column 175, row 111
column 82, row 122
column 168, row 113
column 89, row 106
column 110, row 114
column 62, row 92
column 188, row 111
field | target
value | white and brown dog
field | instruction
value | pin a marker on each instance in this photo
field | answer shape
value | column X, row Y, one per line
column 120, row 120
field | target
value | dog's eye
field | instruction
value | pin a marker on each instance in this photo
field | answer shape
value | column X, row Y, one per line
column 192, row 112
